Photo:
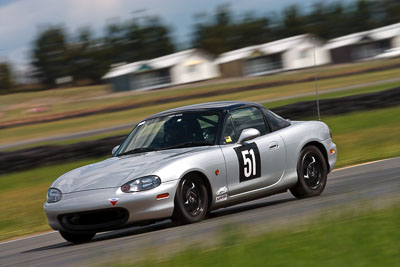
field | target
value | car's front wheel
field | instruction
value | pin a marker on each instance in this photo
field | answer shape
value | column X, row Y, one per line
column 77, row 238
column 191, row 200
column 312, row 173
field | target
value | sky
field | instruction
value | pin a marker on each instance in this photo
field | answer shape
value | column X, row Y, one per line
column 22, row 20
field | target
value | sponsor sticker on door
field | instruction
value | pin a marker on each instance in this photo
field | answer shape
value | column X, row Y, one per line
column 221, row 198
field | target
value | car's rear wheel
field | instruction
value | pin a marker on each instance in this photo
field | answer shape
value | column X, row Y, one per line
column 312, row 173
column 191, row 200
column 77, row 238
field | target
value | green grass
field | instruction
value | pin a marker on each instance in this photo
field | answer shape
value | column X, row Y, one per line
column 111, row 119
column 369, row 89
column 73, row 140
column 61, row 93
column 367, row 238
column 58, row 101
column 366, row 136
column 22, row 196
column 77, row 124
column 360, row 137
column 16, row 105
column 55, row 128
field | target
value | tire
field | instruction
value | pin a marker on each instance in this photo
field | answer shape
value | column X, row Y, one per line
column 77, row 238
column 312, row 173
column 191, row 200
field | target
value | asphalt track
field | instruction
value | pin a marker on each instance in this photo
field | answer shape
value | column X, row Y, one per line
column 373, row 184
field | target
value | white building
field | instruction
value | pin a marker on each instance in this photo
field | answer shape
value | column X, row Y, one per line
column 178, row 68
column 364, row 45
column 287, row 54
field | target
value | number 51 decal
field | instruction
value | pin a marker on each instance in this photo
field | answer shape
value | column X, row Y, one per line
column 249, row 162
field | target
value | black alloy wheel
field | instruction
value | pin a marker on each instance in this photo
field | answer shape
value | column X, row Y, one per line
column 312, row 173
column 191, row 200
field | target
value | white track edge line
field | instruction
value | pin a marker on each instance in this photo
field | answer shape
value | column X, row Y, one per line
column 363, row 164
column 27, row 237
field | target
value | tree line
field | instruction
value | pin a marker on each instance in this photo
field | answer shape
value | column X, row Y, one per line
column 86, row 57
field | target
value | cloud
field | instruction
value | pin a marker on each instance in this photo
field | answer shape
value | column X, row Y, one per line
column 20, row 21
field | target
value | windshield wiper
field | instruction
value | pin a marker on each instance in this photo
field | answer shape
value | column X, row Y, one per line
column 190, row 144
column 137, row 150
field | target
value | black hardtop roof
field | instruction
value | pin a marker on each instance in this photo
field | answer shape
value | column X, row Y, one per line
column 209, row 106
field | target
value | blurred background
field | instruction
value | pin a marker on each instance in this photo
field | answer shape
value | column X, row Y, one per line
column 76, row 76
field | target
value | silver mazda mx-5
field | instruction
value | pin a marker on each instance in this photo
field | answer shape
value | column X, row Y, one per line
column 186, row 162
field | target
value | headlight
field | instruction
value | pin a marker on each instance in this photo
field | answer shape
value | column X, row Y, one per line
column 53, row 195
column 141, row 184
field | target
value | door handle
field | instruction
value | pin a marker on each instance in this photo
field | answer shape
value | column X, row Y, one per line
column 273, row 145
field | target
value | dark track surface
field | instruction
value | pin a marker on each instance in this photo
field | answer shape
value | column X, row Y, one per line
column 363, row 185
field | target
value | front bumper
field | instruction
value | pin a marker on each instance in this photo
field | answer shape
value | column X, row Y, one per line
column 141, row 206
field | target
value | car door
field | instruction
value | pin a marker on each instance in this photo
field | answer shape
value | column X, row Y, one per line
column 257, row 163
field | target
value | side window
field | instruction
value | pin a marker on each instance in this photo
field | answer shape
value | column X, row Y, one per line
column 275, row 121
column 228, row 135
column 250, row 117
column 208, row 125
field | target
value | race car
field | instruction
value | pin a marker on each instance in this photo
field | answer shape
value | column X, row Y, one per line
column 185, row 162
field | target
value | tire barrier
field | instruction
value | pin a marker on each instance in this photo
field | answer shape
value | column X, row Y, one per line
column 25, row 159
column 333, row 106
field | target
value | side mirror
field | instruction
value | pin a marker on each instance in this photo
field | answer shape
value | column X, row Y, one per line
column 114, row 150
column 248, row 134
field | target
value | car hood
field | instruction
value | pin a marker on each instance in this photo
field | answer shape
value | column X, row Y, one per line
column 116, row 171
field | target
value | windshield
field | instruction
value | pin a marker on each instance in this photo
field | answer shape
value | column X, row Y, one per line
column 184, row 129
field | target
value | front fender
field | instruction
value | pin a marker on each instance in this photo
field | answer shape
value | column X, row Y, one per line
column 206, row 162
